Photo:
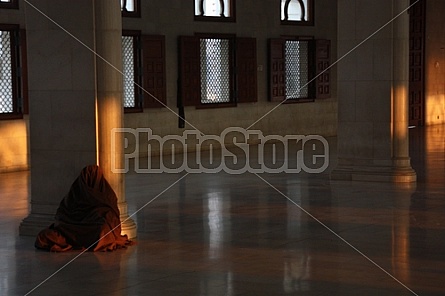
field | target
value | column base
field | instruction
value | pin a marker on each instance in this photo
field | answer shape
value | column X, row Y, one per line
column 34, row 223
column 374, row 174
column 128, row 227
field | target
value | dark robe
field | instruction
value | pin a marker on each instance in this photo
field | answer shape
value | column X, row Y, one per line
column 87, row 217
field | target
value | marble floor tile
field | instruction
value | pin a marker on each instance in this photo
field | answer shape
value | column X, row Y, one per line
column 222, row 234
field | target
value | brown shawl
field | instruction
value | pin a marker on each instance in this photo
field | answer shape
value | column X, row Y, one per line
column 87, row 217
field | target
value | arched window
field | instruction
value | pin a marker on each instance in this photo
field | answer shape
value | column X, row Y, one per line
column 214, row 10
column 297, row 11
column 131, row 8
column 13, row 4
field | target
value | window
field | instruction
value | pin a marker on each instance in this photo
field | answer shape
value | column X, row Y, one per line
column 217, row 10
column 143, row 65
column 217, row 71
column 131, row 8
column 293, row 64
column 13, row 76
column 297, row 69
column 12, row 4
column 298, row 12
column 129, row 65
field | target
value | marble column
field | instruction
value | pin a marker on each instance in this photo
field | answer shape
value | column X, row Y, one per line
column 75, row 101
column 400, row 135
column 373, row 92
column 108, row 41
column 61, row 101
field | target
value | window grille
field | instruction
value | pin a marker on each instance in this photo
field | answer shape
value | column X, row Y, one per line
column 215, row 71
column 129, row 93
column 297, row 69
column 6, row 79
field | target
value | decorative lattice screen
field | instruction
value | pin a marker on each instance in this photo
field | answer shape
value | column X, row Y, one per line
column 6, row 95
column 129, row 96
column 297, row 69
column 215, row 71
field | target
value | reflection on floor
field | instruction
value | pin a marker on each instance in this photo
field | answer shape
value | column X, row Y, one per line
column 221, row 234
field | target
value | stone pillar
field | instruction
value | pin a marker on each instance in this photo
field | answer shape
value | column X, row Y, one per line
column 108, row 41
column 373, row 92
column 75, row 101
column 400, row 93
column 61, row 101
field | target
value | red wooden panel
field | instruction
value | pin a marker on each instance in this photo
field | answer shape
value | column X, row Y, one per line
column 246, row 66
column 189, row 88
column 24, row 65
column 277, row 82
column 416, row 63
column 322, row 62
column 153, row 61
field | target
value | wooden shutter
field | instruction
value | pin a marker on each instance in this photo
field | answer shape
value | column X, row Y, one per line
column 322, row 62
column 417, row 23
column 154, row 74
column 24, row 71
column 277, row 71
column 189, row 88
column 246, row 68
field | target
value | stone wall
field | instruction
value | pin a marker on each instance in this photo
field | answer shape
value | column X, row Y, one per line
column 260, row 20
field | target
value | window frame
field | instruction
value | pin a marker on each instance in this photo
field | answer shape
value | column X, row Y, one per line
column 318, row 67
column 309, row 97
column 202, row 17
column 135, row 13
column 232, row 101
column 12, row 4
column 19, row 72
column 145, row 79
column 243, row 72
column 138, row 106
column 310, row 11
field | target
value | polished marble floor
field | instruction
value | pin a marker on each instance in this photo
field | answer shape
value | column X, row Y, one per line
column 266, row 234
